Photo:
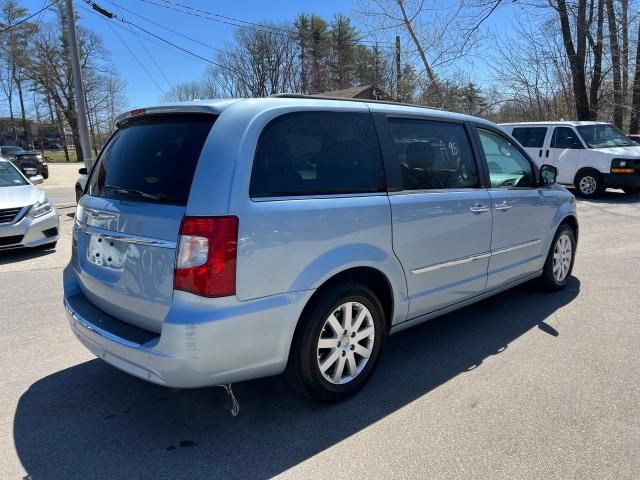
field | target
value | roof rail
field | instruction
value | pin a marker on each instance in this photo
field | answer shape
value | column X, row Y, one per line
column 345, row 99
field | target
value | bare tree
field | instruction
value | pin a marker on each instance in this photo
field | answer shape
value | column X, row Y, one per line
column 532, row 73
column 194, row 90
column 624, row 52
column 576, row 53
column 634, row 125
column 13, row 46
column 49, row 69
column 260, row 63
column 596, row 47
column 618, row 95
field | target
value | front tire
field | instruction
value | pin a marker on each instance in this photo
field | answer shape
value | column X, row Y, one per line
column 338, row 343
column 589, row 184
column 560, row 259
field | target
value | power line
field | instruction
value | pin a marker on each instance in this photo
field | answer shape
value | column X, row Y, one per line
column 131, row 52
column 150, row 56
column 175, row 32
column 173, row 44
column 110, row 15
column 219, row 18
column 136, row 58
column 29, row 17
column 39, row 19
column 147, row 51
column 236, row 22
column 148, row 39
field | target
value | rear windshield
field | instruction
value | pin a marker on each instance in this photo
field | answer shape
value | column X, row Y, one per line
column 28, row 156
column 152, row 159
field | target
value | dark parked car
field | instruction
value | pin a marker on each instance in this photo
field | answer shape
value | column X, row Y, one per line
column 9, row 151
column 32, row 163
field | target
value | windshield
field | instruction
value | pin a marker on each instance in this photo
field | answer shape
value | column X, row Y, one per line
column 9, row 176
column 604, row 135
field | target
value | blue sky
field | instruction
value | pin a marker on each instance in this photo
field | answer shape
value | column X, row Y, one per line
column 176, row 67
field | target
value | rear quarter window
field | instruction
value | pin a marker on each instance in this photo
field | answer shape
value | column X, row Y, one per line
column 153, row 159
column 317, row 153
column 530, row 137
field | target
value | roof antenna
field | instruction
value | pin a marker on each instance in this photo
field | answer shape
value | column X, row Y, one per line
column 235, row 406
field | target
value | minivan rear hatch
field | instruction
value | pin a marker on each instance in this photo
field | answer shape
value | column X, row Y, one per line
column 129, row 221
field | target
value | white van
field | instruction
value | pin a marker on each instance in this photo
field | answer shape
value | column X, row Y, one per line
column 592, row 156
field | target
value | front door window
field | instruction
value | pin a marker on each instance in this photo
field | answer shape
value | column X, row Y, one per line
column 508, row 167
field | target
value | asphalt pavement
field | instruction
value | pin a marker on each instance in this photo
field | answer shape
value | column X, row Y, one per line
column 526, row 385
column 61, row 182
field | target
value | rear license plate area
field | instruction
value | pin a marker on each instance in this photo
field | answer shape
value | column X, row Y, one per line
column 106, row 253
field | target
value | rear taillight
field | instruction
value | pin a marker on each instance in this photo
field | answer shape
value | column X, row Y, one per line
column 206, row 257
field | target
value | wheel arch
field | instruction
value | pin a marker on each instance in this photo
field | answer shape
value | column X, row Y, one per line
column 572, row 221
column 588, row 169
column 370, row 277
column 566, row 213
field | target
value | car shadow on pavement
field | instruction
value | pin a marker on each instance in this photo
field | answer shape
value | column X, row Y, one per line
column 91, row 421
column 608, row 196
column 24, row 254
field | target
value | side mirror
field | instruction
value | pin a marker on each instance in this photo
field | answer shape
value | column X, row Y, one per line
column 574, row 143
column 548, row 174
column 82, row 171
column 36, row 179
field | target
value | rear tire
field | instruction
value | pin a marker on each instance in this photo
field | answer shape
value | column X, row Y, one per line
column 631, row 190
column 560, row 259
column 589, row 184
column 337, row 344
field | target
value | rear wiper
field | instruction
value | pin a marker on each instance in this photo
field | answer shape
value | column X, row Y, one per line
column 136, row 193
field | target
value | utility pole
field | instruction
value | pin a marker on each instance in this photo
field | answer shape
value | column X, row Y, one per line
column 398, row 72
column 78, row 85
column 303, row 72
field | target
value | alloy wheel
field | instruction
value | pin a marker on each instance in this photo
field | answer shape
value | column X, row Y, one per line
column 562, row 256
column 346, row 343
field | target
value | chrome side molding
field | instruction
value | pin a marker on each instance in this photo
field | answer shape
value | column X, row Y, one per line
column 474, row 258
column 518, row 246
column 451, row 263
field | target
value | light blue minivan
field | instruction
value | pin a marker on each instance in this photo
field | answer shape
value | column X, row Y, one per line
column 222, row 241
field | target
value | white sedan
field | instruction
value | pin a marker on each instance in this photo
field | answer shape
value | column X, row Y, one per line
column 27, row 217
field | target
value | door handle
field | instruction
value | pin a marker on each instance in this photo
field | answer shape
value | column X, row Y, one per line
column 547, row 154
column 540, row 153
column 503, row 206
column 477, row 208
